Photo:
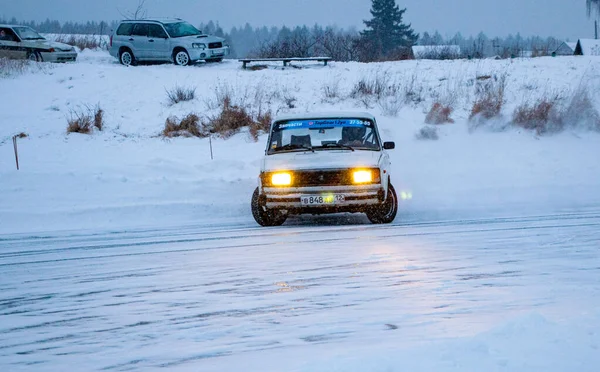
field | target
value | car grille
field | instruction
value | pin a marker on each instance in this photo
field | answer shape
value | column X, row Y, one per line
column 310, row 178
column 215, row 45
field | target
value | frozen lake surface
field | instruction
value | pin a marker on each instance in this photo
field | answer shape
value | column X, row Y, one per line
column 202, row 298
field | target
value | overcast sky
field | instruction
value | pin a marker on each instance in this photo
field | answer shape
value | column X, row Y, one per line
column 559, row 18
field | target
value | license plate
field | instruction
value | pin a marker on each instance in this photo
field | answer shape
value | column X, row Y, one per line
column 326, row 199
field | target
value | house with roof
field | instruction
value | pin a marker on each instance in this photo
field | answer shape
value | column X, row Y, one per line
column 565, row 49
column 587, row 47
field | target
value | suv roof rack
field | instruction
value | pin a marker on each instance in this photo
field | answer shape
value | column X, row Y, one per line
column 154, row 19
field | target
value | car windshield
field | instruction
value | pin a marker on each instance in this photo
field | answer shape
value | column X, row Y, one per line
column 323, row 134
column 181, row 29
column 26, row 33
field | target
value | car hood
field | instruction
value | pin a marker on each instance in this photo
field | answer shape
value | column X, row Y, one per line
column 46, row 44
column 325, row 159
column 202, row 39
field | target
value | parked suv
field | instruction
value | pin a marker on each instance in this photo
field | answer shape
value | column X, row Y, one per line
column 325, row 163
column 164, row 40
column 22, row 42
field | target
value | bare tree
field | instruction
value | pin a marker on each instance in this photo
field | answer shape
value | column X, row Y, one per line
column 593, row 6
column 140, row 11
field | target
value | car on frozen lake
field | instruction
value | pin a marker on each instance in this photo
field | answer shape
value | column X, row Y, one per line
column 22, row 42
column 166, row 40
column 325, row 163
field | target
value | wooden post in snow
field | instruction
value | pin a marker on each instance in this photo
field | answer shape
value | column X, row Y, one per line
column 16, row 151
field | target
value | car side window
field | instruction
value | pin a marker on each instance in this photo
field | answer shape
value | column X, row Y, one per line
column 156, row 31
column 140, row 29
column 125, row 29
column 6, row 34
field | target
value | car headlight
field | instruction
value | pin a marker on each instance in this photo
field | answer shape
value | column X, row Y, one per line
column 362, row 176
column 281, row 179
column 199, row 45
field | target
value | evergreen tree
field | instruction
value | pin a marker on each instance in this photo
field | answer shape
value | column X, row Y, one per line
column 425, row 39
column 385, row 30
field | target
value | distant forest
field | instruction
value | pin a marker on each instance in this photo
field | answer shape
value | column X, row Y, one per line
column 341, row 44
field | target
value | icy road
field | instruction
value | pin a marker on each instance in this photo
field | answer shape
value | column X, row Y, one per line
column 295, row 297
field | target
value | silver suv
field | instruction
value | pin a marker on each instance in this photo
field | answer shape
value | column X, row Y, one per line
column 164, row 40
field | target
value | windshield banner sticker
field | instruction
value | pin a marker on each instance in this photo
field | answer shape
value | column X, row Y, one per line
column 325, row 123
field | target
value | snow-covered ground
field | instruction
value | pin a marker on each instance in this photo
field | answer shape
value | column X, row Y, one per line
column 123, row 250
column 129, row 176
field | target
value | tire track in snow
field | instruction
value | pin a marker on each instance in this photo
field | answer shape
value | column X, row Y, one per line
column 287, row 233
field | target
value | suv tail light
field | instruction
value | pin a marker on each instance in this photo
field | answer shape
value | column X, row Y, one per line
column 111, row 40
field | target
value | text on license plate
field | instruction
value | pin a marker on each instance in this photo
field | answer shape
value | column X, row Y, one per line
column 322, row 199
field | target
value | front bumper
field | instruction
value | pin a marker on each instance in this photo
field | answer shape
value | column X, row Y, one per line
column 355, row 196
column 203, row 54
column 59, row 56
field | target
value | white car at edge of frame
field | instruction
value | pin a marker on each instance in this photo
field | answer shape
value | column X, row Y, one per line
column 325, row 163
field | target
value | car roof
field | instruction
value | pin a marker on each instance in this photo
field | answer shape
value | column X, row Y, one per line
column 11, row 26
column 156, row 20
column 326, row 115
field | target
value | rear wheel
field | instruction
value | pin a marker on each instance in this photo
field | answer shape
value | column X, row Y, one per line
column 126, row 58
column 264, row 216
column 386, row 212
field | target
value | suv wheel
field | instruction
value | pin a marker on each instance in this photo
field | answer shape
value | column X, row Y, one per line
column 181, row 58
column 263, row 216
column 386, row 212
column 126, row 58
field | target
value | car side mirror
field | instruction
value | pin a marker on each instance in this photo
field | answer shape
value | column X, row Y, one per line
column 389, row 145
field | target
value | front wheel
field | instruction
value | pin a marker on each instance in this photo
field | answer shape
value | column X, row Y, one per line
column 181, row 58
column 264, row 216
column 34, row 56
column 386, row 212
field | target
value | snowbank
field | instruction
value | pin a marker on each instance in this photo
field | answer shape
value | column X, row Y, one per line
column 127, row 176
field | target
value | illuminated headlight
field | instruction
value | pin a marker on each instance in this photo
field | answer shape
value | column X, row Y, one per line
column 362, row 176
column 199, row 45
column 281, row 179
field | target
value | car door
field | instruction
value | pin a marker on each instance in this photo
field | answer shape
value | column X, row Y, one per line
column 10, row 45
column 139, row 41
column 159, row 44
column 122, row 36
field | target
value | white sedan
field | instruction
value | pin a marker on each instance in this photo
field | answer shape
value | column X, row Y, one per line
column 325, row 163
column 22, row 42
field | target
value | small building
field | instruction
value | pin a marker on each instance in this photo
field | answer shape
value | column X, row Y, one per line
column 436, row 51
column 565, row 49
column 587, row 47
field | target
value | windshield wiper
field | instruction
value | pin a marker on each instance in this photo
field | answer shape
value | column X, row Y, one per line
column 289, row 146
column 338, row 146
